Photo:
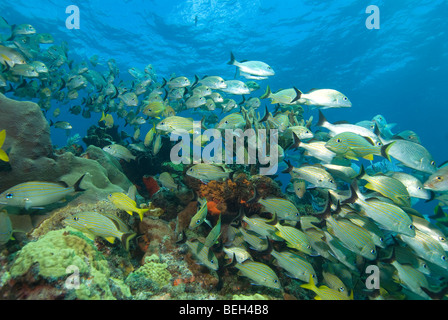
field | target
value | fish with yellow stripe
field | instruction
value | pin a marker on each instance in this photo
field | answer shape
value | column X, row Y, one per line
column 259, row 273
column 282, row 208
column 295, row 238
column 325, row 293
column 124, row 202
column 37, row 194
column 295, row 266
column 389, row 216
column 203, row 253
column 94, row 224
column 353, row 146
column 387, row 186
column 200, row 215
column 354, row 237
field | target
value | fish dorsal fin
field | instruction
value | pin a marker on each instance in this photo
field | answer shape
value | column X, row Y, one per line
column 63, row 184
column 341, row 122
column 369, row 140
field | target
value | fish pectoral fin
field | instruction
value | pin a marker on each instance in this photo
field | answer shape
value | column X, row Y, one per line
column 348, row 156
column 368, row 157
column 369, row 186
column 6, row 58
column 110, row 239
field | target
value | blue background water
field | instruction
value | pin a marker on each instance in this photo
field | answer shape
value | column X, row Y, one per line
column 399, row 71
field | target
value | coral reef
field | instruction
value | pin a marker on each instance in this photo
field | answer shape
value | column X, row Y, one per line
column 152, row 270
column 32, row 156
column 53, row 260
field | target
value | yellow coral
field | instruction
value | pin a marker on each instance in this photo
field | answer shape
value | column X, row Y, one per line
column 56, row 251
column 154, row 270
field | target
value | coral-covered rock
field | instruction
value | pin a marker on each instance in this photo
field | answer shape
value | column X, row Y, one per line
column 157, row 236
column 31, row 155
column 52, row 260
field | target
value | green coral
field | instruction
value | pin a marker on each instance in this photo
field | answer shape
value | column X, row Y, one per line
column 155, row 271
column 60, row 249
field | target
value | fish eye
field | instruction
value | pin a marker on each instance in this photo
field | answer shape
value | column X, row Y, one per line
column 433, row 163
column 338, row 140
column 419, row 188
column 212, row 261
column 331, row 181
column 341, row 289
column 442, row 239
column 226, row 122
column 439, row 178
column 9, row 196
column 381, row 240
column 308, row 247
column 345, row 99
column 443, row 258
column 372, row 251
column 198, row 222
column 411, row 227
column 275, row 280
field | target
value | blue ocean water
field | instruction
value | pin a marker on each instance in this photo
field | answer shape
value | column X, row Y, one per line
column 398, row 70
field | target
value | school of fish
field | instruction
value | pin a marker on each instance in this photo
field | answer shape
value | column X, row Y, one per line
column 361, row 179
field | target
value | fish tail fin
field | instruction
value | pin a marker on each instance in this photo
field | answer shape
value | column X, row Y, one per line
column 353, row 193
column 196, row 81
column 362, row 173
column 267, row 93
column 298, row 95
column 390, row 259
column 254, row 198
column 266, row 116
column 385, row 150
column 322, row 120
column 77, row 187
column 141, row 213
column 232, row 59
column 126, row 238
column 310, row 285
column 290, row 167
column 103, row 117
column 296, row 143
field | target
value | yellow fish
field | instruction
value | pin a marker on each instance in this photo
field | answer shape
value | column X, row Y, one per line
column 150, row 136
column 154, row 109
column 108, row 120
column 94, row 224
column 123, row 202
column 3, row 155
column 326, row 293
